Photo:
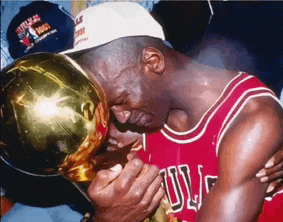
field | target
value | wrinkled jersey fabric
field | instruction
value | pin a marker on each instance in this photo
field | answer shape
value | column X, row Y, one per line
column 189, row 160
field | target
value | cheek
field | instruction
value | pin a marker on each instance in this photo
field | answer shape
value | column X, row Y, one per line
column 161, row 108
column 146, row 100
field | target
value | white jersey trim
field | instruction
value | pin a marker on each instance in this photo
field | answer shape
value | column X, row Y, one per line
column 238, row 101
column 270, row 198
column 240, row 109
column 199, row 122
column 207, row 122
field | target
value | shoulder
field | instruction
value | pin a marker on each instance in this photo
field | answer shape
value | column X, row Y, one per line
column 262, row 111
column 253, row 137
column 263, row 114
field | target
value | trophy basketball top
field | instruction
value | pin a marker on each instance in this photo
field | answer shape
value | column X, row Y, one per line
column 53, row 119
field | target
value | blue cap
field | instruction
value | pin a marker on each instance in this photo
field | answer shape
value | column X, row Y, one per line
column 40, row 26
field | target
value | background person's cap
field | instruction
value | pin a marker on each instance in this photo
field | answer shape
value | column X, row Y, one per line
column 40, row 26
column 106, row 22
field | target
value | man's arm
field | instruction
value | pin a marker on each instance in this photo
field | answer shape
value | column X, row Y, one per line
column 254, row 136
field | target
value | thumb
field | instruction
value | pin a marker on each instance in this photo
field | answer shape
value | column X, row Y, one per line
column 275, row 186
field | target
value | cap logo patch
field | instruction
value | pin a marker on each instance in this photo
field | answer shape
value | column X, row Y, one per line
column 33, row 30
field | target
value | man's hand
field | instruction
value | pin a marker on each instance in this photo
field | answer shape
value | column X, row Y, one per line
column 129, row 194
column 273, row 172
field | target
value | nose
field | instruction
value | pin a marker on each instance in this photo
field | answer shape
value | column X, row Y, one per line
column 121, row 115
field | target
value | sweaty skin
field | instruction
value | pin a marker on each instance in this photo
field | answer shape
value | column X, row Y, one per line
column 271, row 173
column 161, row 80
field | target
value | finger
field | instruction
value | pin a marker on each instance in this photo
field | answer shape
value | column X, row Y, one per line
column 275, row 185
column 148, row 172
column 154, row 204
column 265, row 172
column 157, row 197
column 132, row 155
column 105, row 177
column 272, row 177
column 144, row 170
column 274, row 169
column 146, row 176
column 145, row 186
column 275, row 159
column 151, row 192
column 128, row 175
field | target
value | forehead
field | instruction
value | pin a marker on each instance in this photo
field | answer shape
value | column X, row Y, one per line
column 115, row 77
column 111, row 83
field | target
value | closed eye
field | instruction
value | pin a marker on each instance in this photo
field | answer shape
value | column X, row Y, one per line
column 120, row 100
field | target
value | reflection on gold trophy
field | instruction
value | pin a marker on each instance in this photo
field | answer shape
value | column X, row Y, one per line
column 54, row 120
column 79, row 165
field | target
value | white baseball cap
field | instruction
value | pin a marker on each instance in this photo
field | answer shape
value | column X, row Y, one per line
column 101, row 24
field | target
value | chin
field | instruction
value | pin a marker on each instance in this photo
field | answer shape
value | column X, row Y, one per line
column 111, row 148
column 153, row 126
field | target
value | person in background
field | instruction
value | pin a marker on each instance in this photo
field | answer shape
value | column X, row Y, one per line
column 40, row 26
column 215, row 128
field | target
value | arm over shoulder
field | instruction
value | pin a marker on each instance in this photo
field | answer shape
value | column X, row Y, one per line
column 252, row 138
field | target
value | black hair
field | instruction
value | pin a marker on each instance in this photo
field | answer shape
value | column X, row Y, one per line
column 127, row 50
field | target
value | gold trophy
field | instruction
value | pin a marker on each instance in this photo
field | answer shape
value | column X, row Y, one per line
column 54, row 120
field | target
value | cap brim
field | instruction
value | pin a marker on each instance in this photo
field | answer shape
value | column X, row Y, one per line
column 73, row 50
column 69, row 51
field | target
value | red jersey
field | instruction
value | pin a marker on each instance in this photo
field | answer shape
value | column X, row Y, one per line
column 188, row 160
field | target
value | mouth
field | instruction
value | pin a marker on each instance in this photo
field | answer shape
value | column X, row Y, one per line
column 141, row 120
column 147, row 123
column 135, row 146
column 136, row 120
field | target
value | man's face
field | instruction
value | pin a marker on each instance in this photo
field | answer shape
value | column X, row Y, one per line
column 133, row 97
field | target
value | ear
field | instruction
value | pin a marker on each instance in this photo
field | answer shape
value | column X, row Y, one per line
column 153, row 60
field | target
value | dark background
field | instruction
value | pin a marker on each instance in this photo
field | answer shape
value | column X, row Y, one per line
column 243, row 35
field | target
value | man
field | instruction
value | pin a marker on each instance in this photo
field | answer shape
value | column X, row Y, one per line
column 222, row 124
